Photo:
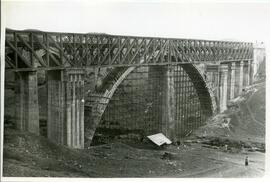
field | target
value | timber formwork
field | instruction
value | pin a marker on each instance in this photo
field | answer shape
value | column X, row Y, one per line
column 139, row 103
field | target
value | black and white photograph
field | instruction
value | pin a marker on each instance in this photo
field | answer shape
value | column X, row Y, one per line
column 126, row 89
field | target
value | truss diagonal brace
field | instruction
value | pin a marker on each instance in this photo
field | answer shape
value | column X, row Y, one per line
column 19, row 54
column 32, row 50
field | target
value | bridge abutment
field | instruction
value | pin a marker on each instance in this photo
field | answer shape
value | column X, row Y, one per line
column 26, row 96
column 66, row 107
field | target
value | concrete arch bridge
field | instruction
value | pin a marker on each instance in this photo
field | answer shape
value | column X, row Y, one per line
column 122, row 82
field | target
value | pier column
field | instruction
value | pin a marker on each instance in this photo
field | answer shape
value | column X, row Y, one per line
column 170, row 103
column 212, row 71
column 251, row 65
column 232, row 80
column 241, row 77
column 161, row 79
column 26, row 96
column 238, row 78
column 246, row 73
column 223, row 87
column 156, row 75
column 66, row 107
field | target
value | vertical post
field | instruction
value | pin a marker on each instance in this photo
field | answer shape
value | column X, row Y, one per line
column 232, row 80
column 250, row 72
column 54, row 110
column 171, row 103
column 156, row 77
column 73, row 110
column 81, row 81
column 68, row 96
column 168, row 102
column 19, row 101
column 223, row 87
column 77, row 108
column 229, row 81
column 26, row 96
column 246, row 73
column 213, row 79
column 241, row 78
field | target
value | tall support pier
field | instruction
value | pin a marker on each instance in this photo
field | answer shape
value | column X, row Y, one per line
column 26, row 97
column 223, row 87
column 66, row 107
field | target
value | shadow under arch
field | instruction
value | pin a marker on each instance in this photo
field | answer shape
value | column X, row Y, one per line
column 205, row 93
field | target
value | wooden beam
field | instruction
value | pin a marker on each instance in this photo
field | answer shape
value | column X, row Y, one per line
column 9, row 61
column 138, row 49
column 28, row 64
column 32, row 50
column 60, row 49
column 160, row 51
column 119, row 50
column 44, row 47
column 147, row 57
column 129, row 49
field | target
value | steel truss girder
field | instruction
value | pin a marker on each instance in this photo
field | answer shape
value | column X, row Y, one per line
column 85, row 50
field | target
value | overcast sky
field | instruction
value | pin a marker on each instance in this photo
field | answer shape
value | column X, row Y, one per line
column 236, row 21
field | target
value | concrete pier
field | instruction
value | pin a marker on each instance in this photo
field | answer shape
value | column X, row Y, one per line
column 66, row 107
column 241, row 77
column 170, row 103
column 162, row 80
column 238, row 79
column 223, row 87
column 246, row 71
column 26, row 97
column 232, row 80
column 251, row 71
column 213, row 78
column 248, row 74
column 55, row 117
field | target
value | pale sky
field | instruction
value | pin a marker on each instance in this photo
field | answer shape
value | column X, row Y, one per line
column 237, row 21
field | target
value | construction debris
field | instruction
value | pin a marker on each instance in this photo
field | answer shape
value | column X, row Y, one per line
column 159, row 139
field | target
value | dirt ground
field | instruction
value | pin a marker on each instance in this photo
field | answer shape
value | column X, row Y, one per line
column 217, row 149
column 44, row 159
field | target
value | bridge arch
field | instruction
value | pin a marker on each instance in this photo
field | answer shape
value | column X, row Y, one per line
column 103, row 96
column 204, row 90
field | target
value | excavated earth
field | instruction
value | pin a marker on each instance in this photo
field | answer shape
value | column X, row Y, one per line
column 217, row 149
